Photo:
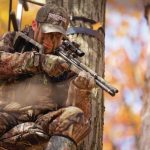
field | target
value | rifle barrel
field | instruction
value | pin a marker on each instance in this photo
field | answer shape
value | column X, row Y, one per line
column 81, row 67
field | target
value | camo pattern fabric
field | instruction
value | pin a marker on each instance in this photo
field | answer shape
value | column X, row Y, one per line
column 13, row 63
column 24, row 136
column 6, row 42
column 54, row 15
column 36, row 135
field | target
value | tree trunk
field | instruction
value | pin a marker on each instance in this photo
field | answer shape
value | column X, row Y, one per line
column 145, row 132
column 94, row 58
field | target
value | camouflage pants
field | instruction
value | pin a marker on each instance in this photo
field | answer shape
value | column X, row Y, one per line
column 8, row 120
column 26, row 127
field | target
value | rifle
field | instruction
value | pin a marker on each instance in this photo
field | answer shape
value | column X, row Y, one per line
column 70, row 52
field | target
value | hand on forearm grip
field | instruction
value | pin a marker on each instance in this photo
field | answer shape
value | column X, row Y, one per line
column 84, row 81
column 53, row 65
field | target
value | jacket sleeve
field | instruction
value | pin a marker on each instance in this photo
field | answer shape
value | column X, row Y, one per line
column 13, row 64
column 6, row 42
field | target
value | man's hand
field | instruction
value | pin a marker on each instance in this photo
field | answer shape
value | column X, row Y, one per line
column 84, row 81
column 53, row 65
column 79, row 93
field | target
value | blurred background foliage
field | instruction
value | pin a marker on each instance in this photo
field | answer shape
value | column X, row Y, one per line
column 27, row 17
column 126, row 41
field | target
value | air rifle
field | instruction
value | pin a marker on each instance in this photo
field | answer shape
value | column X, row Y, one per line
column 70, row 52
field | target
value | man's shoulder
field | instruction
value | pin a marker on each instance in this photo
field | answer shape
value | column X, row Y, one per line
column 8, row 35
column 6, row 41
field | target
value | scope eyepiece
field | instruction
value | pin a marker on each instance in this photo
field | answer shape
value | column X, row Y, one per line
column 74, row 47
column 79, row 53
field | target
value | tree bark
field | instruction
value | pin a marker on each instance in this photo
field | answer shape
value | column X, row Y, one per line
column 145, row 129
column 94, row 58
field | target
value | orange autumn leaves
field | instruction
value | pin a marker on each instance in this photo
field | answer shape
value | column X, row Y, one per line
column 125, row 67
column 26, row 18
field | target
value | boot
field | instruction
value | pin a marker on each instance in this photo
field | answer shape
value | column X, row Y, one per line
column 59, row 142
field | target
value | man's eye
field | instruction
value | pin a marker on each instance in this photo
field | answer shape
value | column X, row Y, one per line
column 48, row 35
column 56, row 35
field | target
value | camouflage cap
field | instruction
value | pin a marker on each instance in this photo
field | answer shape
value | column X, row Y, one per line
column 52, row 19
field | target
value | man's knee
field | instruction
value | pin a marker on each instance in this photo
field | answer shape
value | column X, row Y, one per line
column 73, row 113
column 60, row 120
column 70, row 116
column 71, row 123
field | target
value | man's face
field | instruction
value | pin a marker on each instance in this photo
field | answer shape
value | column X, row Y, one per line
column 50, row 41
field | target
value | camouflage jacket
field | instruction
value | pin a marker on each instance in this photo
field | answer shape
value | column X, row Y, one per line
column 23, row 83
